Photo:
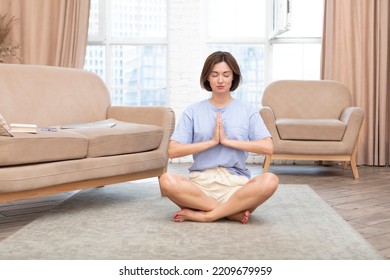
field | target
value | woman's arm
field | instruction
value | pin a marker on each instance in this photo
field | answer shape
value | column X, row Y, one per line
column 264, row 146
column 177, row 149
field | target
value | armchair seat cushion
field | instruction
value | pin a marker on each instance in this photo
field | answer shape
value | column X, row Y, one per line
column 311, row 129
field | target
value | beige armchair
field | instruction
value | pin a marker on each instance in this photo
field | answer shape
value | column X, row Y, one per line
column 312, row 120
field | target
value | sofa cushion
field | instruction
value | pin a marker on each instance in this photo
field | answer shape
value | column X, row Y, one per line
column 43, row 146
column 311, row 129
column 123, row 138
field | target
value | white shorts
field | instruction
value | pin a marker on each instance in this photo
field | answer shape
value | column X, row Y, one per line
column 218, row 183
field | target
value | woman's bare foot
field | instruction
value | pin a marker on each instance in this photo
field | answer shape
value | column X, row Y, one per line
column 190, row 215
column 242, row 217
column 201, row 216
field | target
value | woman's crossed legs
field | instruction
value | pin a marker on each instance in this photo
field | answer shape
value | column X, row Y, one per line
column 197, row 206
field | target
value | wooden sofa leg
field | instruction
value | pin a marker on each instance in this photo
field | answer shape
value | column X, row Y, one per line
column 267, row 163
column 354, row 169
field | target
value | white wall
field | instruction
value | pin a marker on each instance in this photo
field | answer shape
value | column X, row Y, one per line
column 184, row 53
column 185, row 56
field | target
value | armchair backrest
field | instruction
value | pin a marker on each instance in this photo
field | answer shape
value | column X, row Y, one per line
column 307, row 99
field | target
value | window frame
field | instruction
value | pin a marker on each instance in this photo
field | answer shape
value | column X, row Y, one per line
column 269, row 40
column 243, row 40
column 103, row 40
column 281, row 39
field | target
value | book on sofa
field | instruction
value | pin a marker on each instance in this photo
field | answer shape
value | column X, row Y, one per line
column 23, row 127
column 89, row 125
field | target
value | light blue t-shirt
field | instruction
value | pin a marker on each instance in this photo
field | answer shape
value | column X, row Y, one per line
column 241, row 121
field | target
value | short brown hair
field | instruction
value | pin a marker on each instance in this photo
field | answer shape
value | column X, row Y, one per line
column 209, row 64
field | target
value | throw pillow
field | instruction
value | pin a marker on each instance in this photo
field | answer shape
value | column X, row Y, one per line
column 4, row 128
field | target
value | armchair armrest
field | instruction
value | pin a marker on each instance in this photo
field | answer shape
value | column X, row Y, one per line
column 268, row 117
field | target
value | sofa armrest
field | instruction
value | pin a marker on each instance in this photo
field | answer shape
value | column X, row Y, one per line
column 353, row 117
column 161, row 116
column 268, row 117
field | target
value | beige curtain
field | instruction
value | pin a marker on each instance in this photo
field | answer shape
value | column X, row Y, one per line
column 50, row 32
column 355, row 51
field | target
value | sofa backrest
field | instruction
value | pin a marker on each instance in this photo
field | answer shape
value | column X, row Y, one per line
column 48, row 95
column 322, row 99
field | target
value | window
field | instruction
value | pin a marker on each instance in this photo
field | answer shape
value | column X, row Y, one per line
column 296, row 53
column 128, row 49
column 239, row 27
column 281, row 17
column 128, row 46
column 282, row 46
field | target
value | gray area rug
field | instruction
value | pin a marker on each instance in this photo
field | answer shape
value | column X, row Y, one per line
column 132, row 221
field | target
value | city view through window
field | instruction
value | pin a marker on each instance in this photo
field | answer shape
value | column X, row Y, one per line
column 128, row 45
column 127, row 48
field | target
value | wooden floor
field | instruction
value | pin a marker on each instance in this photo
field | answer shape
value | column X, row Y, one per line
column 364, row 203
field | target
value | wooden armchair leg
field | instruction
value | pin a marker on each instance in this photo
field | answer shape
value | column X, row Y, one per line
column 353, row 162
column 267, row 163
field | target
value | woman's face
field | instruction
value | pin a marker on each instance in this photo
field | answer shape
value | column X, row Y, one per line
column 221, row 78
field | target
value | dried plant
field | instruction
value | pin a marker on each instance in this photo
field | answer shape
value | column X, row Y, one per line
column 7, row 49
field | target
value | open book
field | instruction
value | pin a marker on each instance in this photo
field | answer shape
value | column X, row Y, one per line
column 89, row 125
column 23, row 127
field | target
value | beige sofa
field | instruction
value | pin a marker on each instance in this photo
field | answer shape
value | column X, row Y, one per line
column 69, row 159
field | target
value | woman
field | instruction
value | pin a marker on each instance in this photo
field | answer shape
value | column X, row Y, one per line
column 219, row 132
